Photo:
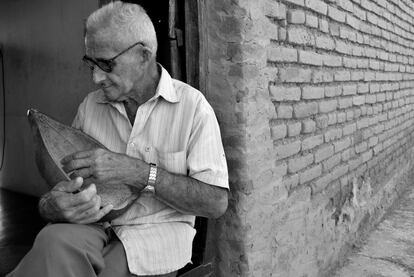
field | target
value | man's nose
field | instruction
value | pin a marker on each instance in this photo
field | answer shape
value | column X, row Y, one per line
column 98, row 75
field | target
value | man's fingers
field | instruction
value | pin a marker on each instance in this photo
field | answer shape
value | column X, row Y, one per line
column 90, row 209
column 91, row 216
column 83, row 196
column 69, row 186
column 105, row 210
column 76, row 164
column 84, row 173
column 77, row 155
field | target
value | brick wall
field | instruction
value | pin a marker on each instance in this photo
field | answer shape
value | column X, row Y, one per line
column 315, row 100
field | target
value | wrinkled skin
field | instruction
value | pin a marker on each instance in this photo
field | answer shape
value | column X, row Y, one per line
column 65, row 203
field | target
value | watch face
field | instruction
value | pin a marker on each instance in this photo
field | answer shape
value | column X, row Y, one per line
column 149, row 189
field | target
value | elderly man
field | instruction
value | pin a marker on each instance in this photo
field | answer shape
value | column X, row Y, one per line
column 163, row 138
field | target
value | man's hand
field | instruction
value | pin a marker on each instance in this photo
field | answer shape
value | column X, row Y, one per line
column 66, row 203
column 101, row 166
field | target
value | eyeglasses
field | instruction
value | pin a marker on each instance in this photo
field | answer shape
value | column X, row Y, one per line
column 106, row 65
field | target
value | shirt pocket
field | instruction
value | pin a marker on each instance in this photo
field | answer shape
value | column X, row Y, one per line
column 174, row 162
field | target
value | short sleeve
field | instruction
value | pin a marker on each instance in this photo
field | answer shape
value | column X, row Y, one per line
column 206, row 160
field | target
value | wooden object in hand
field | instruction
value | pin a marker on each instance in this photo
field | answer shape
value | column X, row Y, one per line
column 55, row 140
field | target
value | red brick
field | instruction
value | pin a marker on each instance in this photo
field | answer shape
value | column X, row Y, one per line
column 341, row 117
column 321, row 121
column 297, row 2
column 297, row 164
column 330, row 60
column 312, row 142
column 308, row 126
column 333, row 134
column 324, row 153
column 343, row 47
column 317, row 5
column 295, row 74
column 350, row 62
column 354, row 163
column 322, row 76
column 349, row 129
column 310, row 57
column 312, row 21
column 353, row 22
column 363, row 88
column 336, row 14
column 278, row 131
column 296, row 16
column 280, row 169
column 332, row 118
column 282, row 93
column 333, row 91
column 291, row 182
column 276, row 10
column 343, row 75
column 349, row 89
column 342, row 144
column 362, row 123
column 358, row 100
column 371, row 99
column 323, row 25
column 282, row 54
column 344, row 103
column 361, row 147
column 357, row 76
column 287, row 150
column 294, row 129
column 332, row 162
column 302, row 110
column 328, row 106
column 310, row 174
column 366, row 156
column 300, row 35
column 339, row 172
column 309, row 92
column 284, row 111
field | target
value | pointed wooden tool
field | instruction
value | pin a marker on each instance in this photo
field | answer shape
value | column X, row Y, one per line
column 53, row 141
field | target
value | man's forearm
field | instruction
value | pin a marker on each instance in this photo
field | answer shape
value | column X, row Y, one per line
column 190, row 196
column 183, row 193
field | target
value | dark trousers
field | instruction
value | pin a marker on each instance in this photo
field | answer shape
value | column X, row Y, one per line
column 74, row 250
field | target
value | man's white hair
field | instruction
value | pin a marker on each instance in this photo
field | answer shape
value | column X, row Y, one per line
column 123, row 24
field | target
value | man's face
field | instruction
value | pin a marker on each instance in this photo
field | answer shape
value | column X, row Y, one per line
column 125, row 75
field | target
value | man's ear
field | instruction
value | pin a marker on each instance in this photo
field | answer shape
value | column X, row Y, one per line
column 146, row 54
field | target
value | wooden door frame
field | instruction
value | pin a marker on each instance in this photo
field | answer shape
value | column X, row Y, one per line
column 196, row 43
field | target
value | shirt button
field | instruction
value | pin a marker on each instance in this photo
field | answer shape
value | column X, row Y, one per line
column 147, row 149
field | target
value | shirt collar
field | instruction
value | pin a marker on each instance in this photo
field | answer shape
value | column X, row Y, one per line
column 165, row 89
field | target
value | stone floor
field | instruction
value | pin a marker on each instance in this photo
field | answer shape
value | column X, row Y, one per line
column 388, row 250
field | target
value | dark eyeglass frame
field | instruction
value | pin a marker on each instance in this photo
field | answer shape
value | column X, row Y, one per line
column 107, row 65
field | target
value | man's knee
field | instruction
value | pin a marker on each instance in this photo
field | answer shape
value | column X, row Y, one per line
column 54, row 235
column 60, row 234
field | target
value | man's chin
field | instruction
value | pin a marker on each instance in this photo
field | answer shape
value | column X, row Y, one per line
column 110, row 95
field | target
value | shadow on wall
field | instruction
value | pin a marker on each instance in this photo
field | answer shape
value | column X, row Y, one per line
column 2, row 109
column 42, row 69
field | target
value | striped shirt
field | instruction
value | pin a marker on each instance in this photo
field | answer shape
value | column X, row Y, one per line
column 177, row 130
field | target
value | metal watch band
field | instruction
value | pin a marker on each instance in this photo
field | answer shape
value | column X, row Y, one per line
column 152, row 178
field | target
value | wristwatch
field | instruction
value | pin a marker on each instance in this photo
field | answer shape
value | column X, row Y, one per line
column 152, row 178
